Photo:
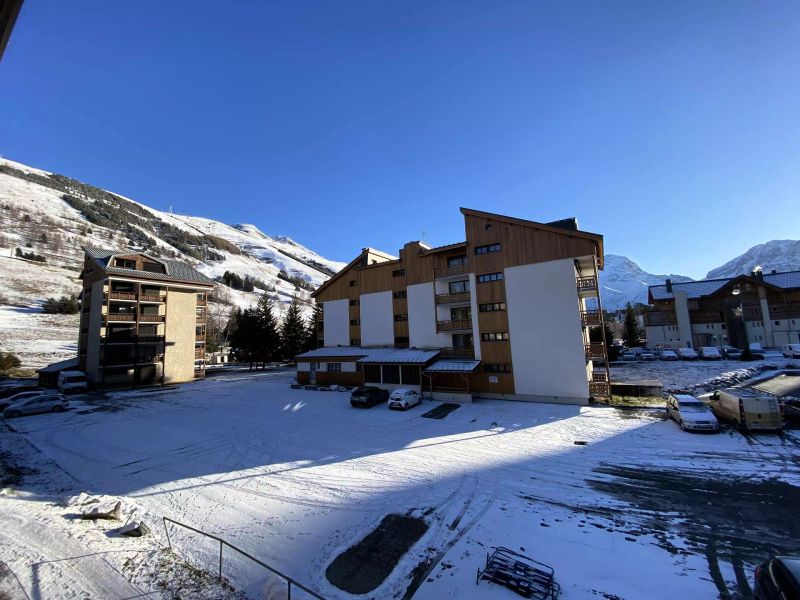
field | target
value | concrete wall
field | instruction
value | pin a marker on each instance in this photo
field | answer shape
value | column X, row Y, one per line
column 546, row 332
column 473, row 301
column 95, row 323
column 179, row 335
column 337, row 322
column 682, row 318
column 422, row 318
column 377, row 319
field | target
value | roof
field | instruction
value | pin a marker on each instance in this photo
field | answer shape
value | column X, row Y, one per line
column 175, row 270
column 57, row 367
column 452, row 365
column 333, row 352
column 707, row 287
column 411, row 356
column 9, row 9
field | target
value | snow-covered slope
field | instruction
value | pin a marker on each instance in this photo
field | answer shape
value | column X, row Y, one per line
column 623, row 281
column 782, row 255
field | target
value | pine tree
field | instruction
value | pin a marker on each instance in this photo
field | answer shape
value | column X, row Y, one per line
column 312, row 329
column 632, row 331
column 243, row 335
column 268, row 336
column 293, row 331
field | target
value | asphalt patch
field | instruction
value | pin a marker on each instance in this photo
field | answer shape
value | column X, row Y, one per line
column 441, row 411
column 363, row 567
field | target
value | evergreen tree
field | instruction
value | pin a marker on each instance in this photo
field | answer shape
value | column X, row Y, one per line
column 632, row 330
column 312, row 329
column 243, row 337
column 268, row 337
column 293, row 331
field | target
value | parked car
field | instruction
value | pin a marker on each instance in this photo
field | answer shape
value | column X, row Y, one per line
column 368, row 396
column 72, row 381
column 19, row 396
column 37, row 404
column 731, row 353
column 647, row 354
column 404, row 398
column 757, row 351
column 748, row 409
column 687, row 354
column 691, row 414
column 710, row 353
column 629, row 355
column 668, row 354
column 778, row 579
column 791, row 350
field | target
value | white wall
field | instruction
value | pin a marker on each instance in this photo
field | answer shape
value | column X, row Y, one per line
column 476, row 334
column 377, row 319
column 545, row 330
column 422, row 318
column 337, row 322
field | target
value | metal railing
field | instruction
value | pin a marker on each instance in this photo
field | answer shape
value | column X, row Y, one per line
column 152, row 298
column 595, row 350
column 151, row 318
column 590, row 318
column 289, row 581
column 586, row 284
column 131, row 316
column 452, row 298
column 448, row 271
column 121, row 296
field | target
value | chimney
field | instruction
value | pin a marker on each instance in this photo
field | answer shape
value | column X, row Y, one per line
column 669, row 285
column 774, row 271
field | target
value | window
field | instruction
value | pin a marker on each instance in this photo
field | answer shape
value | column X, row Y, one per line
column 492, row 307
column 355, row 342
column 352, row 283
column 334, row 367
column 410, row 374
column 457, row 261
column 354, row 302
column 463, row 313
column 487, row 249
column 497, row 368
column 372, row 373
column 124, row 263
column 458, row 287
column 494, row 337
column 486, row 277
column 399, row 318
column 777, row 322
column 397, row 295
column 391, row 373
column 398, row 273
column 462, row 340
column 355, row 321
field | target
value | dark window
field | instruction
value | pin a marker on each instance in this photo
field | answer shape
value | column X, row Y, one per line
column 401, row 317
column 777, row 322
column 492, row 307
column 398, row 273
column 457, row 261
column 391, row 373
column 410, row 374
column 355, row 321
column 399, row 294
column 124, row 263
column 487, row 248
column 497, row 368
column 486, row 277
column 462, row 340
column 458, row 287
column 354, row 302
column 494, row 337
column 372, row 373
column 352, row 283
column 355, row 342
column 334, row 367
column 401, row 341
column 463, row 313
column 152, row 267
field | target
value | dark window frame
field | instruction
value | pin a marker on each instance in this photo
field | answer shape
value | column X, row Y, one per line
column 489, row 277
column 399, row 273
column 487, row 248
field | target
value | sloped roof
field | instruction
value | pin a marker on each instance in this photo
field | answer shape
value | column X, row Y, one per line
column 707, row 287
column 175, row 270
column 57, row 367
column 452, row 365
column 411, row 356
column 334, row 352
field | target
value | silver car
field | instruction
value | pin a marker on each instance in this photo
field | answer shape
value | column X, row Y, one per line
column 37, row 404
column 690, row 413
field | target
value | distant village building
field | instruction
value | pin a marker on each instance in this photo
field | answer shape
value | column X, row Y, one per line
column 761, row 308
column 505, row 313
column 143, row 319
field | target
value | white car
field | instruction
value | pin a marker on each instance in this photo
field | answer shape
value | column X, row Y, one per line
column 19, row 396
column 687, row 354
column 791, row 350
column 38, row 404
column 710, row 353
column 667, row 354
column 404, row 398
column 691, row 414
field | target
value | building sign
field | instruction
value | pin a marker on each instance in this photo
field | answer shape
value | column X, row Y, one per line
column 492, row 378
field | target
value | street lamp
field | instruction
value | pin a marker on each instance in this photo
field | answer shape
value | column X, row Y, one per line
column 738, row 311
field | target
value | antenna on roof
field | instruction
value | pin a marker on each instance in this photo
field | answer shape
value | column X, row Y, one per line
column 422, row 236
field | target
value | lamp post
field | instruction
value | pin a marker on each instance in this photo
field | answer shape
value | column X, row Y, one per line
column 739, row 313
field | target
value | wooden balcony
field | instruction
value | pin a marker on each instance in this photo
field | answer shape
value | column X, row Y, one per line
column 125, row 317
column 708, row 316
column 599, row 389
column 452, row 298
column 591, row 318
column 200, row 319
column 202, row 302
column 655, row 318
column 450, row 271
column 134, row 339
column 151, row 318
column 595, row 351
column 152, row 298
column 464, row 324
column 199, row 373
column 120, row 296
column 200, row 352
column 200, row 337
column 790, row 310
column 457, row 353
column 586, row 286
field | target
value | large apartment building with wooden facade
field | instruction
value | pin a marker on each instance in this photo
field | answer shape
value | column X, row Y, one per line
column 760, row 307
column 505, row 313
column 143, row 320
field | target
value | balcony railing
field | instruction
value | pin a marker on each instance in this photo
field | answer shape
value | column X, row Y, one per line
column 200, row 319
column 586, row 284
column 450, row 271
column 454, row 325
column 708, row 316
column 785, row 311
column 200, row 352
column 152, row 318
column 595, row 350
column 598, row 388
column 152, row 298
column 199, row 373
column 200, row 337
column 202, row 302
column 134, row 339
column 590, row 318
column 121, row 316
column 457, row 353
column 452, row 298
column 657, row 318
column 121, row 296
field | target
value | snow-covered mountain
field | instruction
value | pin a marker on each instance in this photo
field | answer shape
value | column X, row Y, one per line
column 781, row 255
column 51, row 216
column 623, row 281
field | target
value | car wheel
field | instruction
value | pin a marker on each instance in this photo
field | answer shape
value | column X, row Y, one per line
column 58, row 408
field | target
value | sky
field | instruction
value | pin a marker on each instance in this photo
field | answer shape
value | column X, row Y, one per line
column 671, row 128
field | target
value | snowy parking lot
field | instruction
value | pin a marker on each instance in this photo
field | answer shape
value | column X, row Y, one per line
column 296, row 477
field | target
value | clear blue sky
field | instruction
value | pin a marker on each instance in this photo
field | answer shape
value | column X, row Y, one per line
column 673, row 128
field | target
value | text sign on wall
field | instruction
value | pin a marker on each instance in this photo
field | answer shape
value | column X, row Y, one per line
column 492, row 378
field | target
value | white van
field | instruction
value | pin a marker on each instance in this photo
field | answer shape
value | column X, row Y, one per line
column 791, row 350
column 748, row 409
column 72, row 381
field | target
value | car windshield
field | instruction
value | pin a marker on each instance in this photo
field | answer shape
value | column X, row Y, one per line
column 693, row 406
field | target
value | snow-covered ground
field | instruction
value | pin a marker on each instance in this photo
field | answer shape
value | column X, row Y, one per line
column 296, row 477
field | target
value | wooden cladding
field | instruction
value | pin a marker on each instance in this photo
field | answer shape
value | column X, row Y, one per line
column 460, row 325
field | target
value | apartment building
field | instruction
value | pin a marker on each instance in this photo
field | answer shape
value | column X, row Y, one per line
column 760, row 307
column 143, row 320
column 505, row 313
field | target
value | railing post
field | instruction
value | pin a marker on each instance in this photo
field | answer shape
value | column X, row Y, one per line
column 220, row 560
column 169, row 543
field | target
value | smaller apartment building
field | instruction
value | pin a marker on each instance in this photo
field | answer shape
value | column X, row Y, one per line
column 505, row 313
column 759, row 308
column 143, row 320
